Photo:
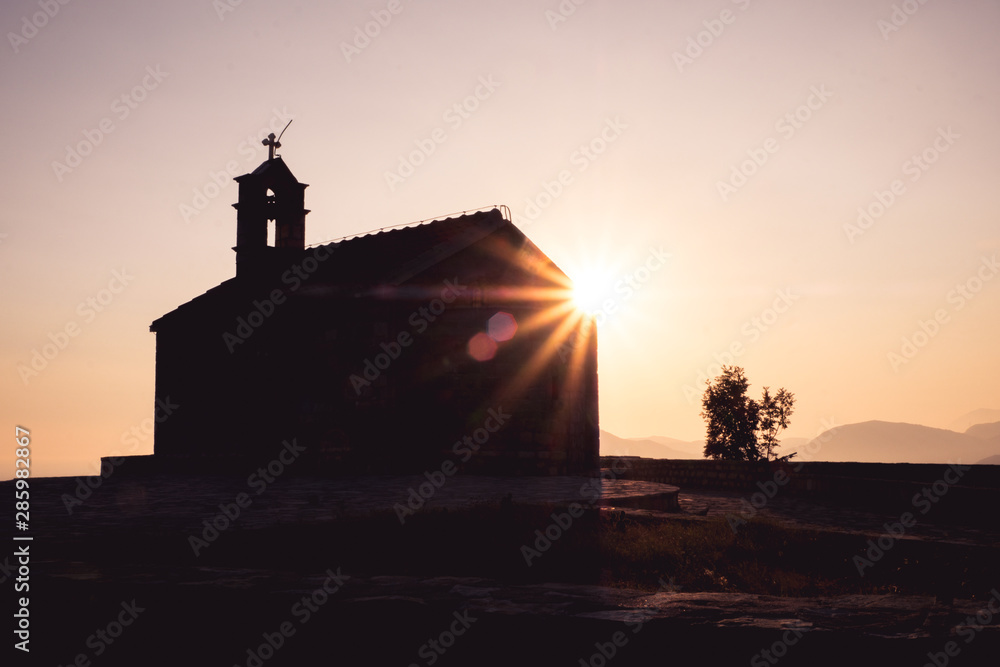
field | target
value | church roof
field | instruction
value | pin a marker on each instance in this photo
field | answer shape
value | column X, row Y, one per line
column 275, row 167
column 393, row 256
column 363, row 263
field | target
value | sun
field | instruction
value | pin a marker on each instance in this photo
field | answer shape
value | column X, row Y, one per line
column 590, row 290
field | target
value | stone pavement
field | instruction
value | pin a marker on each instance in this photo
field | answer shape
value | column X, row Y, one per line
column 311, row 499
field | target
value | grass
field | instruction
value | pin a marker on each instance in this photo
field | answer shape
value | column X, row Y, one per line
column 762, row 558
column 606, row 548
column 765, row 557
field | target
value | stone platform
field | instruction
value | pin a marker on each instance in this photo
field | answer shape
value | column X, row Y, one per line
column 302, row 498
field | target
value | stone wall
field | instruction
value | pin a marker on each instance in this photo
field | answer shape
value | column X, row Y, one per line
column 972, row 492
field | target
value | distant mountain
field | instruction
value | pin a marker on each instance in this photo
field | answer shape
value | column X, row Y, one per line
column 867, row 442
column 985, row 431
column 693, row 448
column 991, row 434
column 982, row 416
column 789, row 445
column 612, row 445
column 663, row 447
column 886, row 442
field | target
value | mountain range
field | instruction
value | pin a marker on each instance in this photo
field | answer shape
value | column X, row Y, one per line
column 867, row 442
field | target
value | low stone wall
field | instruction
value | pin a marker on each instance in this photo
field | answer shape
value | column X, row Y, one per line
column 972, row 493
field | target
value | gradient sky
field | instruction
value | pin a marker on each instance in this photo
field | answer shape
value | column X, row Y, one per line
column 666, row 121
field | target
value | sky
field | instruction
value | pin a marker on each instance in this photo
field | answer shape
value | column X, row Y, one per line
column 803, row 189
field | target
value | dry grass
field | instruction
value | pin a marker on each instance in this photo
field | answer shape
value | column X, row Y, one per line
column 605, row 548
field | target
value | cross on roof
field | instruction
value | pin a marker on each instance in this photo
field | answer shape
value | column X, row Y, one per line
column 271, row 144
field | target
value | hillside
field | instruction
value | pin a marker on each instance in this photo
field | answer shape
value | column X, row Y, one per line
column 693, row 448
column 612, row 445
column 985, row 431
column 981, row 416
column 887, row 442
column 663, row 447
column 866, row 442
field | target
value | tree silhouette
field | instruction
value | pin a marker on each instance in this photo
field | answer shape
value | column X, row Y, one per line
column 740, row 428
column 774, row 413
column 732, row 417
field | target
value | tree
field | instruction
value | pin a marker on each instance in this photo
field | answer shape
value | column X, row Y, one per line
column 774, row 413
column 740, row 428
column 732, row 417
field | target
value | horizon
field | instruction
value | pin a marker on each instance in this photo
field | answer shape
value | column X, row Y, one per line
column 874, row 441
column 796, row 435
column 806, row 440
column 802, row 191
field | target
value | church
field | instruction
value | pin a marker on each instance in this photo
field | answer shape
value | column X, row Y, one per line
column 387, row 353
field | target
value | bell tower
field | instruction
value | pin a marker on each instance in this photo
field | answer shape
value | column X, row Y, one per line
column 269, row 194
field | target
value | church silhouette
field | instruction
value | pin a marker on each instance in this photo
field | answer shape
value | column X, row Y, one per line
column 383, row 353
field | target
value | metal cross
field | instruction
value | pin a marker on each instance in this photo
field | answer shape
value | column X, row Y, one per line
column 272, row 144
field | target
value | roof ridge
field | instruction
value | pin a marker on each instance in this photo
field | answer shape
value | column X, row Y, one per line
column 419, row 223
